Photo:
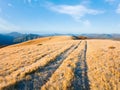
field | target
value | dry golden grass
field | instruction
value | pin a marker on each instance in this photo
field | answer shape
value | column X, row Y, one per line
column 62, row 78
column 103, row 64
column 17, row 61
column 98, row 61
column 49, row 39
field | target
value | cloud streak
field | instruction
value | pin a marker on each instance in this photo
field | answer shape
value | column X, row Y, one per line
column 28, row 1
column 87, row 23
column 118, row 9
column 110, row 1
column 5, row 25
column 10, row 5
column 75, row 11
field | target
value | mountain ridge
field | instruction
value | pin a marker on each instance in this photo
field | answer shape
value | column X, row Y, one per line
column 16, row 37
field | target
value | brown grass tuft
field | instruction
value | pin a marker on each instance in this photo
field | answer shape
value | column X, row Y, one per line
column 111, row 47
column 28, row 77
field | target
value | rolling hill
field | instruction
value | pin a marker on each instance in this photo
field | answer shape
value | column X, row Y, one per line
column 60, row 63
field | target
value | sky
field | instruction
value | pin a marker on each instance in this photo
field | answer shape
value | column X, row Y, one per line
column 60, row 16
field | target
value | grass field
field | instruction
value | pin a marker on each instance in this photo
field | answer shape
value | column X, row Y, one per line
column 61, row 63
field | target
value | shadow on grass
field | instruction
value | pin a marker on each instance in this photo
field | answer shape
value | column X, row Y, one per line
column 41, row 75
column 81, row 81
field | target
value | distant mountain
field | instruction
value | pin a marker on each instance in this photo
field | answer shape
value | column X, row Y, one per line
column 15, row 34
column 101, row 36
column 98, row 35
column 5, row 40
column 15, row 37
column 26, row 37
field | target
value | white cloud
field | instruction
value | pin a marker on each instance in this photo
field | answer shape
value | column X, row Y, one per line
column 87, row 23
column 5, row 25
column 118, row 9
column 10, row 5
column 110, row 1
column 76, row 11
column 29, row 1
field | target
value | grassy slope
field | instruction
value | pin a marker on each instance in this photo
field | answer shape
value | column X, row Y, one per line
column 102, row 61
column 17, row 60
column 50, row 39
column 103, row 64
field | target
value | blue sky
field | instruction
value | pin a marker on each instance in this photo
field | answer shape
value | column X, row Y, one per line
column 60, row 16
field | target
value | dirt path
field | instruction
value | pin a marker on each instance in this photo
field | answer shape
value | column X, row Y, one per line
column 81, row 81
column 39, row 77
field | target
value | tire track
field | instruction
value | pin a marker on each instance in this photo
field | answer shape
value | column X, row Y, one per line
column 41, row 76
column 41, row 55
column 81, row 81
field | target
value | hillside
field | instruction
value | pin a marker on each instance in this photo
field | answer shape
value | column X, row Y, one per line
column 49, row 39
column 60, row 63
